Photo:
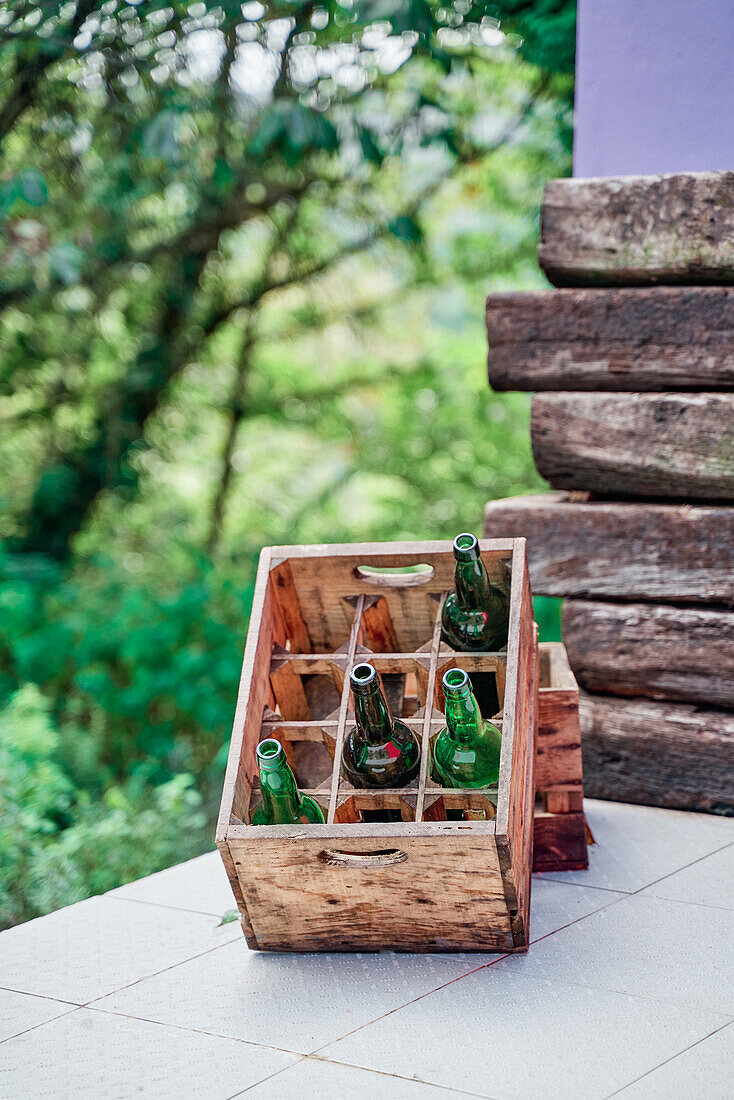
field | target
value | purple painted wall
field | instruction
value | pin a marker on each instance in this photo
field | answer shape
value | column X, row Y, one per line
column 654, row 86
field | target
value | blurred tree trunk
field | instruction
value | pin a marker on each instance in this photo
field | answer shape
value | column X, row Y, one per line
column 69, row 486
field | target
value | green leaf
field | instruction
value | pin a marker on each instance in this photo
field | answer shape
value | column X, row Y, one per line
column 294, row 129
column 9, row 192
column 29, row 185
column 66, row 262
column 161, row 137
column 270, row 129
column 406, row 229
column 370, row 148
column 33, row 187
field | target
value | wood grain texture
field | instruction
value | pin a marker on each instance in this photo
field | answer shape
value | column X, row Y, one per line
column 252, row 697
column 636, row 445
column 558, row 846
column 639, row 230
column 655, row 651
column 558, row 761
column 324, row 599
column 284, row 590
column 658, row 754
column 377, row 626
column 678, row 446
column 647, row 339
column 658, row 552
column 516, row 793
column 560, row 842
column 446, row 897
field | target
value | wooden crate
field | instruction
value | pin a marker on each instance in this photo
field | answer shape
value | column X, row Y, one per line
column 426, row 882
column 560, row 827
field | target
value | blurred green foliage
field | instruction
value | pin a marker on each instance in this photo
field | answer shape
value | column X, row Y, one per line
column 243, row 257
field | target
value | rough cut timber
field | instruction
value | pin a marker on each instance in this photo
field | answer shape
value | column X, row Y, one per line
column 650, row 650
column 659, row 338
column 678, row 445
column 674, row 553
column 639, row 230
column 658, row 754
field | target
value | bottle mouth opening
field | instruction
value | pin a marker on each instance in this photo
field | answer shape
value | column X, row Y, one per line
column 269, row 752
column 455, row 681
column 466, row 546
column 363, row 676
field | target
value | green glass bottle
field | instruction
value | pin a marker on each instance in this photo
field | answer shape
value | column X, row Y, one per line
column 379, row 751
column 466, row 752
column 283, row 803
column 476, row 615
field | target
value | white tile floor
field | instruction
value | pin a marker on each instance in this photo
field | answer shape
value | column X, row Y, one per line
column 626, row 991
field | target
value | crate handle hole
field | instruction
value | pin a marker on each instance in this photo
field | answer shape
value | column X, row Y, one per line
column 401, row 576
column 386, row 857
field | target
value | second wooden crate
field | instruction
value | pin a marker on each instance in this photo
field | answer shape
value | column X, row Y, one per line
column 560, row 826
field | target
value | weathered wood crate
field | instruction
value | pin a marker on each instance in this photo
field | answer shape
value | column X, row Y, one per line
column 454, row 872
column 560, row 831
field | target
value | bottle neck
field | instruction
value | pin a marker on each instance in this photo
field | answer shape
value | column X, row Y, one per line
column 281, row 797
column 372, row 716
column 463, row 717
column 472, row 585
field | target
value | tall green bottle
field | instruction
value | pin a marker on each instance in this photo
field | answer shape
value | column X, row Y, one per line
column 379, row 751
column 466, row 752
column 476, row 615
column 283, row 803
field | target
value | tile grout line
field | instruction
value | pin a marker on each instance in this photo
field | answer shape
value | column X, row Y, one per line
column 364, row 1069
column 583, row 885
column 683, row 901
column 40, row 996
column 500, row 958
column 672, row 1058
column 195, row 1031
column 647, row 997
column 156, row 973
column 412, row 1001
column 163, row 905
column 685, row 867
column 269, row 1077
column 563, row 927
column 398, row 1076
column 648, row 885
column 460, row 977
column 34, row 1027
column 92, row 1002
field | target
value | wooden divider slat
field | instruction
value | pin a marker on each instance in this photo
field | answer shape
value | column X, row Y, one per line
column 426, row 733
column 341, row 727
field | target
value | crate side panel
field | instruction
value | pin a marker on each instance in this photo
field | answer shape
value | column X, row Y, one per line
column 521, row 660
column 447, row 895
column 517, row 781
column 253, row 694
column 324, row 582
column 522, row 867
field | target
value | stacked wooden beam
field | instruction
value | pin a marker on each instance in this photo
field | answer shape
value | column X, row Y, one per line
column 634, row 419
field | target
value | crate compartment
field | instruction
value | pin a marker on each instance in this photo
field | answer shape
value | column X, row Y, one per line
column 463, row 855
